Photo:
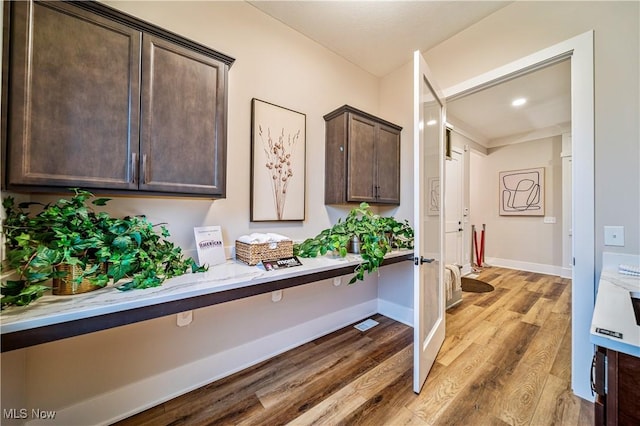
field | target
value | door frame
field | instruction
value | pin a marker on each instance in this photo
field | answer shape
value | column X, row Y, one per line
column 579, row 50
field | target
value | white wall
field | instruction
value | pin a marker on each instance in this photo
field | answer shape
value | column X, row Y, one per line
column 526, row 27
column 135, row 366
column 522, row 242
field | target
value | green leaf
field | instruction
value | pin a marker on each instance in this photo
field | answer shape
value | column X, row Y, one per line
column 137, row 237
column 165, row 232
column 122, row 242
column 100, row 201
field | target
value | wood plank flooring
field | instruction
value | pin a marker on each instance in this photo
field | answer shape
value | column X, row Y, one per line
column 506, row 360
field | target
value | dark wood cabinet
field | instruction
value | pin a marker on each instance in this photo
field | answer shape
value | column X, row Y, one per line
column 362, row 158
column 100, row 100
column 73, row 98
column 183, row 135
column 616, row 383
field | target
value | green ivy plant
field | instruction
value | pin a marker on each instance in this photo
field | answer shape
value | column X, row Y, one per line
column 71, row 232
column 376, row 234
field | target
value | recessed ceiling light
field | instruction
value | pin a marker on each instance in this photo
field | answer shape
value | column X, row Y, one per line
column 519, row 102
column 431, row 122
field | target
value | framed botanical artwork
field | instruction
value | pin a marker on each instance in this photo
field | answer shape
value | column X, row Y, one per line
column 278, row 163
column 521, row 192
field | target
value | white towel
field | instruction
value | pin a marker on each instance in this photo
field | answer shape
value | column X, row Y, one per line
column 259, row 238
column 452, row 279
column 276, row 237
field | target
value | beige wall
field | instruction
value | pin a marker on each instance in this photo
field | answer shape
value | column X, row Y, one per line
column 525, row 27
column 275, row 64
column 519, row 239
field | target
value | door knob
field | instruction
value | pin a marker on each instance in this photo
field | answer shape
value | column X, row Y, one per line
column 421, row 260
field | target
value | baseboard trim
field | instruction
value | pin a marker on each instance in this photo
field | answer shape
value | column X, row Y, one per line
column 396, row 312
column 466, row 269
column 133, row 398
column 525, row 266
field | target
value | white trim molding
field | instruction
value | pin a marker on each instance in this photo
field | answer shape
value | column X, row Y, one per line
column 539, row 268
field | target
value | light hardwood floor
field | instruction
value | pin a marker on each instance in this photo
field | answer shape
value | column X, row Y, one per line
column 506, row 360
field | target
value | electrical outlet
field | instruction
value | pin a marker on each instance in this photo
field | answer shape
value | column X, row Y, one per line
column 614, row 236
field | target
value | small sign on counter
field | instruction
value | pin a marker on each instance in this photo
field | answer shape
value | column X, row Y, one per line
column 210, row 245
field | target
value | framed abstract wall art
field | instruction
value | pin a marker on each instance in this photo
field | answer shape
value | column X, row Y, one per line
column 278, row 163
column 521, row 192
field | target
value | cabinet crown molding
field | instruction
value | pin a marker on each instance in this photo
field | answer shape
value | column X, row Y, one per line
column 143, row 26
column 349, row 108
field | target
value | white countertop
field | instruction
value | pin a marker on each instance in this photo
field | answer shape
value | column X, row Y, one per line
column 613, row 312
column 50, row 310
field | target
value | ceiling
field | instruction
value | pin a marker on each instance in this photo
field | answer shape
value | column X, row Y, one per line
column 490, row 119
column 363, row 32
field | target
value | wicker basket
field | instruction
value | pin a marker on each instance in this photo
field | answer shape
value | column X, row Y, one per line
column 252, row 254
column 66, row 286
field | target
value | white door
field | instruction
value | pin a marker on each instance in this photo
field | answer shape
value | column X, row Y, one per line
column 453, row 201
column 428, row 294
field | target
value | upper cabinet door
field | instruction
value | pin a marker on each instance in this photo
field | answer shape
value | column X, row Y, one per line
column 183, row 130
column 74, row 98
column 361, row 160
column 388, row 165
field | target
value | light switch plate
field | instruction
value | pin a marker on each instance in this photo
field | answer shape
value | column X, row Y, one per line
column 614, row 236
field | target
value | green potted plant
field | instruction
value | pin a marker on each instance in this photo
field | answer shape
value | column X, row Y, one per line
column 373, row 235
column 68, row 244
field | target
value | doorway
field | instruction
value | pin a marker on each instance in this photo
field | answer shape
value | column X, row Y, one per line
column 580, row 52
column 455, row 186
